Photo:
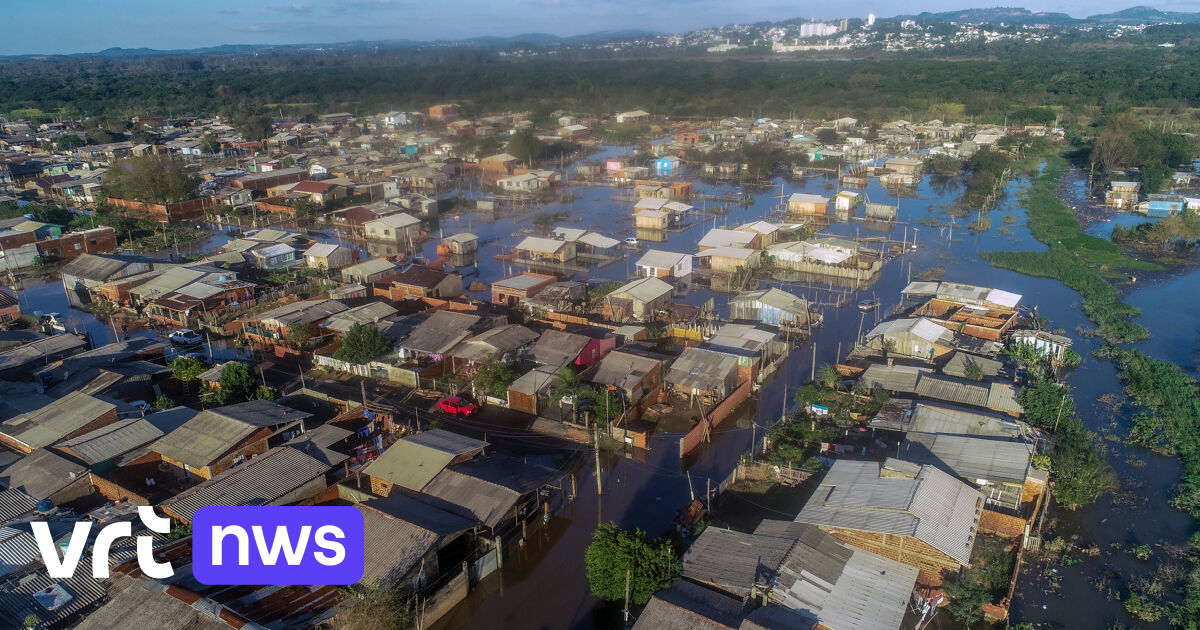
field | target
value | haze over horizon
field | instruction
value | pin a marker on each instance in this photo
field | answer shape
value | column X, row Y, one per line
column 91, row 27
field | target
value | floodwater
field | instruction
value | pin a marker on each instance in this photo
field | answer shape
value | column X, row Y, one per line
column 544, row 586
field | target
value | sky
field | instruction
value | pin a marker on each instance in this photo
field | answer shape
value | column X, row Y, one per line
column 69, row 26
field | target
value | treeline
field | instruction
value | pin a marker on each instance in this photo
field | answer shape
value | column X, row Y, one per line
column 304, row 83
column 1125, row 142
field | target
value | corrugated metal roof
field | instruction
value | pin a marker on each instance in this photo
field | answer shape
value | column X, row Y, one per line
column 621, row 369
column 660, row 259
column 302, row 312
column 701, row 369
column 55, row 345
column 1003, row 397
column 970, row 457
column 499, row 340
column 956, row 390
column 365, row 314
column 486, row 489
column 933, row 507
column 41, row 428
column 111, row 441
column 557, row 348
column 688, row 606
column 14, row 503
column 441, row 332
column 894, row 378
column 400, row 531
column 735, row 562
column 826, row 580
column 541, row 245
column 960, row 362
column 926, row 417
column 645, row 290
column 41, row 474
column 414, row 461
column 131, row 598
column 719, row 237
column 262, row 481
column 211, row 433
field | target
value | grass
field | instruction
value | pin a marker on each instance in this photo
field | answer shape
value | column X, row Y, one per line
column 1085, row 263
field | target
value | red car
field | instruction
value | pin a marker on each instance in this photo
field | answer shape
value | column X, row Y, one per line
column 457, row 406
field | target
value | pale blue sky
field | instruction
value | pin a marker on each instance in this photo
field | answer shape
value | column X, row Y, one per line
column 66, row 26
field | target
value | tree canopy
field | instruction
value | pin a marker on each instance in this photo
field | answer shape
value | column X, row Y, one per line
column 652, row 565
column 494, row 376
column 237, row 383
column 187, row 369
column 150, row 179
column 363, row 343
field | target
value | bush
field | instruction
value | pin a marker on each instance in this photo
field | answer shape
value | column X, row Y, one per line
column 362, row 344
column 967, row 598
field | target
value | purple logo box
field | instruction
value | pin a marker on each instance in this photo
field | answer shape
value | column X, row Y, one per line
column 277, row 545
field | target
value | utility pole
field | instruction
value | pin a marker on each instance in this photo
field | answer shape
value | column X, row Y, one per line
column 628, row 574
column 1058, row 416
column 596, row 446
column 813, row 376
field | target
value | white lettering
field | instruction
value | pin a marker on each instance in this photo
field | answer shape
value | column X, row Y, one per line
column 65, row 568
column 281, row 542
column 145, row 544
column 104, row 541
column 339, row 550
column 243, row 542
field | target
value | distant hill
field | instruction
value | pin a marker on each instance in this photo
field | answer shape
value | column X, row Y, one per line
column 1144, row 15
column 994, row 15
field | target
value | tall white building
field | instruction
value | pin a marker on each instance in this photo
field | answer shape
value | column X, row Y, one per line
column 817, row 29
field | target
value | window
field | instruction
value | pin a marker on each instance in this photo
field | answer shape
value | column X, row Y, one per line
column 77, row 246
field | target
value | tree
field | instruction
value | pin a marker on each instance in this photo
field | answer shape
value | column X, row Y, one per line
column 187, row 369
column 608, row 407
column 264, row 393
column 568, row 386
column 967, row 598
column 252, row 126
column 651, row 565
column 828, row 376
column 494, row 376
column 237, row 383
column 1081, row 473
column 525, row 146
column 151, row 179
column 209, row 145
column 298, row 335
column 363, row 343
column 1046, row 403
column 1153, row 175
column 69, row 142
column 163, row 402
column 828, row 136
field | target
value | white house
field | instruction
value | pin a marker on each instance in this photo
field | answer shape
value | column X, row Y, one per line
column 657, row 263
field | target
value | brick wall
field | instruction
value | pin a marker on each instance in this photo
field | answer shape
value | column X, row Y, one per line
column 114, row 492
column 1001, row 524
column 905, row 549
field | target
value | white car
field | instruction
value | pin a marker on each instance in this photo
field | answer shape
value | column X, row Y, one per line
column 185, row 337
column 631, row 241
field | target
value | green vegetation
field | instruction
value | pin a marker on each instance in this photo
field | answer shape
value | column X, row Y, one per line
column 163, row 402
column 362, row 344
column 986, row 170
column 1126, row 142
column 794, row 442
column 1171, row 407
column 604, row 288
column 1182, row 229
column 187, row 369
column 241, row 87
column 1074, row 258
column 651, row 565
column 494, row 376
column 374, row 607
column 151, row 179
column 237, row 383
column 1081, row 473
column 984, row 582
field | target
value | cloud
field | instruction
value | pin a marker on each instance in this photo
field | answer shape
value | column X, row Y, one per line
column 292, row 7
column 381, row 4
column 228, row 11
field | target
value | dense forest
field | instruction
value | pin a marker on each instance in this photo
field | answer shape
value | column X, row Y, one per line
column 991, row 86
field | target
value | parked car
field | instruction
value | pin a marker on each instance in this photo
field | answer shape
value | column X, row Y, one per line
column 142, row 406
column 457, row 406
column 631, row 241
column 185, row 337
